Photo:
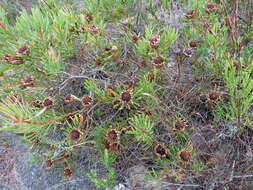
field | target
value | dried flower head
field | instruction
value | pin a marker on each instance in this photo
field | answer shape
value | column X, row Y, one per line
column 14, row 60
column 193, row 43
column 115, row 147
column 160, row 151
column 112, row 135
column 184, row 156
column 87, row 100
column 179, row 124
column 87, row 16
column 190, row 14
column 106, row 144
column 48, row 102
column 93, row 28
column 28, row 80
column 143, row 63
column 5, row 57
column 14, row 97
column 69, row 98
column 66, row 155
column 210, row 7
column 213, row 96
column 68, row 172
column 158, row 61
column 130, row 84
column 23, row 50
column 48, row 164
column 135, row 38
column 154, row 41
column 75, row 134
column 37, row 103
column 126, row 96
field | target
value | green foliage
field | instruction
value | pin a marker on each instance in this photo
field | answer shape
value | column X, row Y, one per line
column 44, row 31
column 240, row 86
column 109, row 181
column 21, row 118
column 167, row 37
column 143, row 128
column 106, row 182
column 138, row 74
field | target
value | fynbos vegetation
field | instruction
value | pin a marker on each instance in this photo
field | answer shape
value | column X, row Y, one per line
column 127, row 82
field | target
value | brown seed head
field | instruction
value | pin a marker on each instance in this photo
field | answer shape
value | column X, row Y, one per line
column 48, row 102
column 193, row 43
column 66, row 155
column 37, row 103
column 14, row 60
column 210, row 7
column 160, row 151
column 69, row 98
column 185, row 156
column 75, row 134
column 126, row 96
column 5, row 57
column 87, row 100
column 135, row 38
column 23, row 50
column 158, row 61
column 112, row 135
column 68, row 172
column 48, row 164
column 93, row 28
column 87, row 16
column 115, row 147
column 143, row 63
column 130, row 84
column 213, row 96
column 179, row 124
column 28, row 80
column 106, row 144
column 154, row 41
column 190, row 14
